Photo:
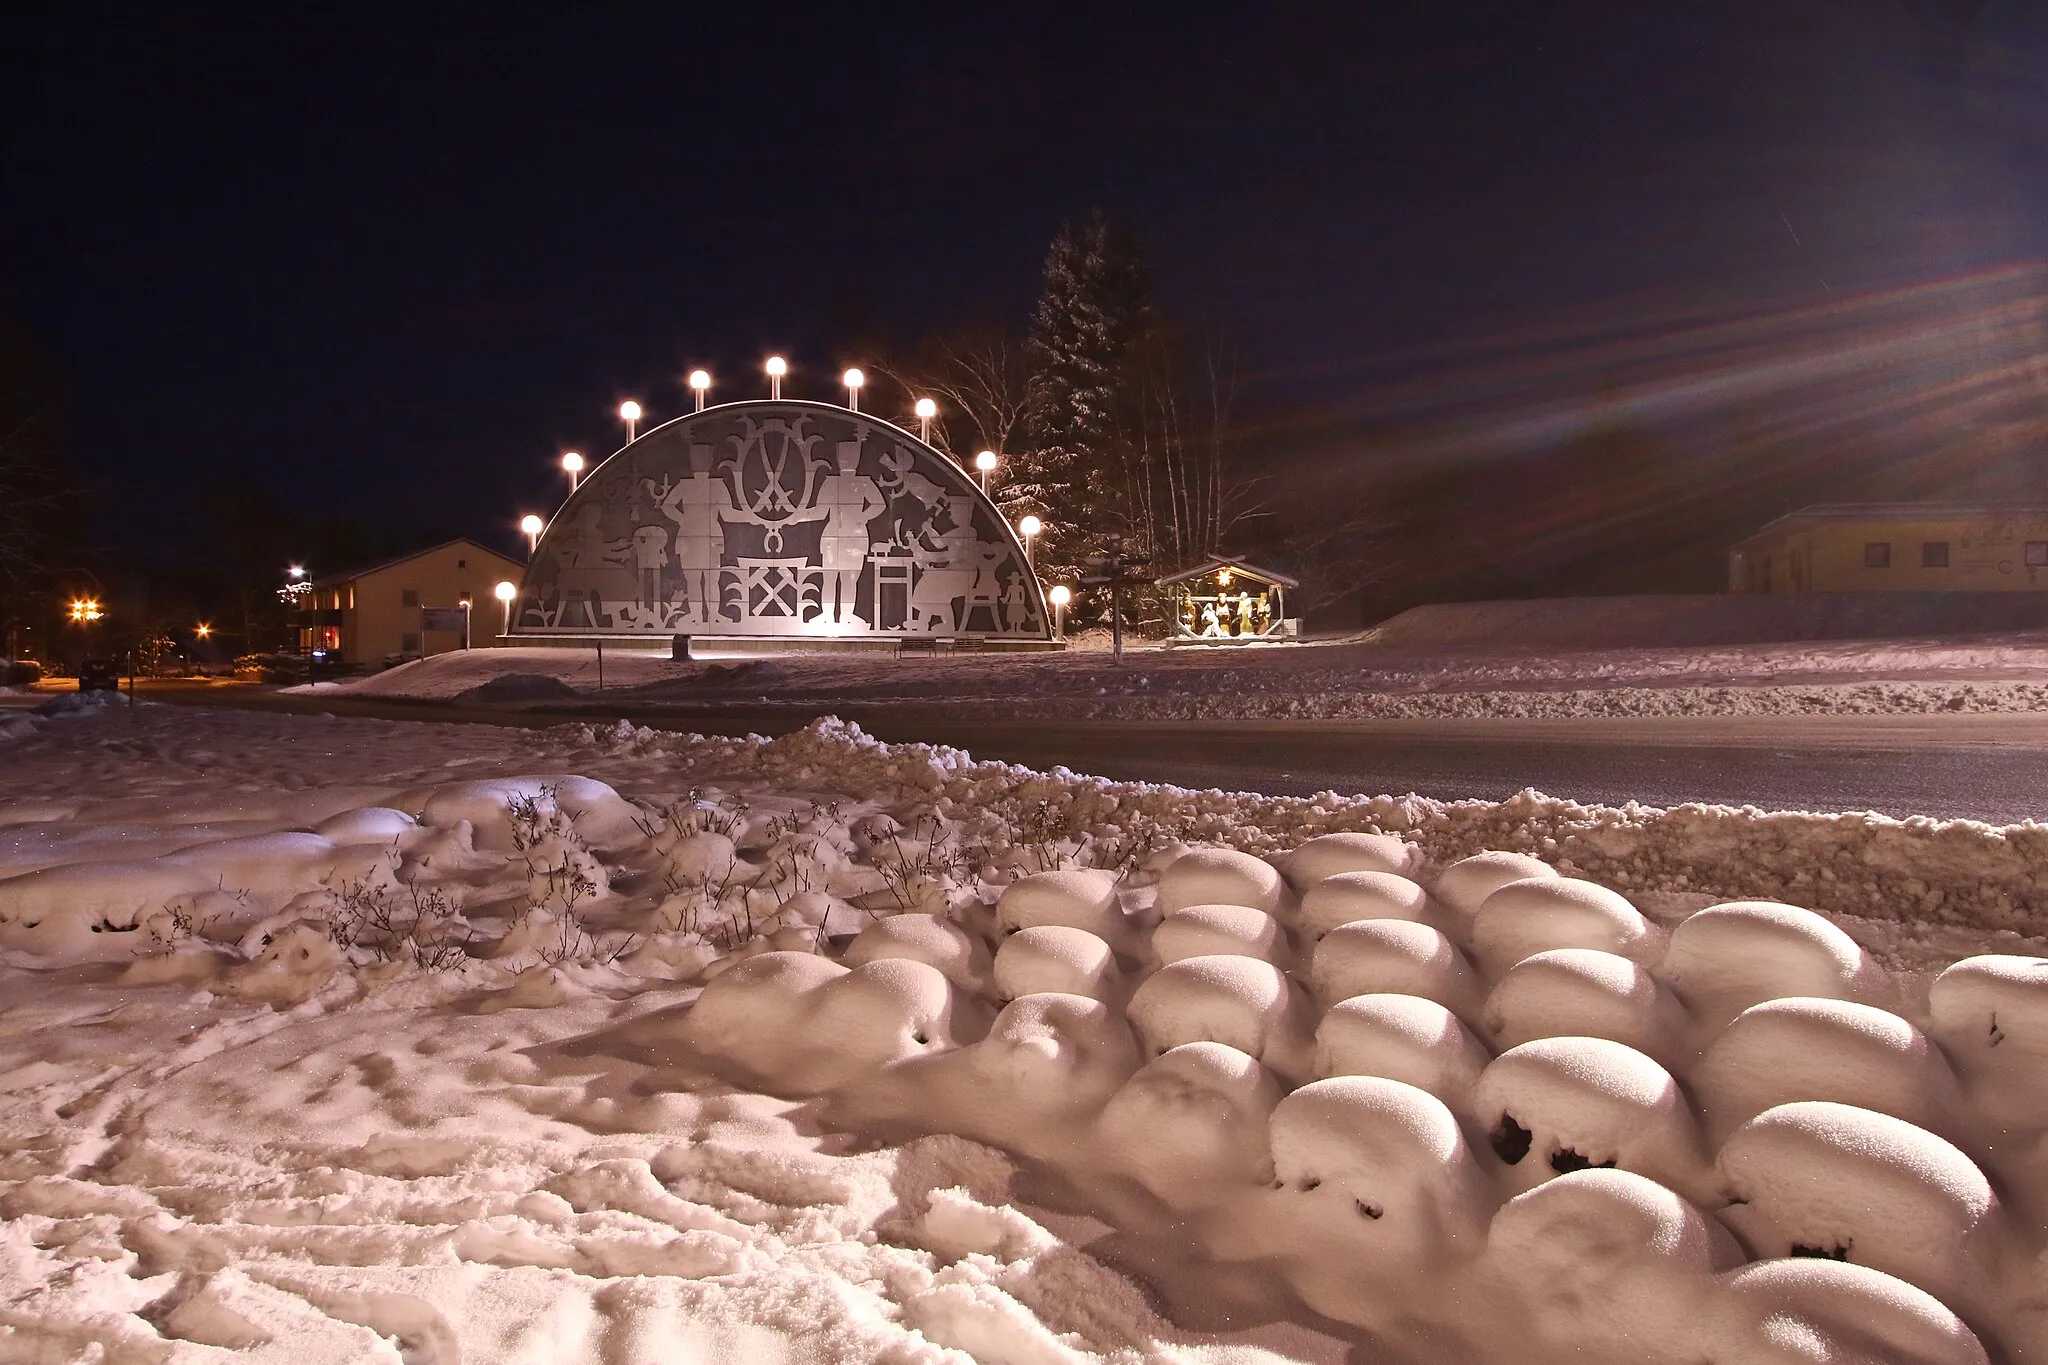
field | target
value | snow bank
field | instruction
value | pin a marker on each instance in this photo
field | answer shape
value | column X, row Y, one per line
column 607, row 1036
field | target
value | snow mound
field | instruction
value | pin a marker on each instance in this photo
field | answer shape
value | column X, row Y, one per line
column 1330, row 855
column 1343, row 897
column 1240, row 1002
column 1200, row 930
column 1464, row 886
column 1394, row 957
column 1728, row 957
column 1221, row 876
column 1403, row 1038
column 1816, row 1178
column 1540, row 913
column 1585, row 993
column 1055, row 958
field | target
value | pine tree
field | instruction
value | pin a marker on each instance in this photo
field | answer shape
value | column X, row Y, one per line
column 1079, row 405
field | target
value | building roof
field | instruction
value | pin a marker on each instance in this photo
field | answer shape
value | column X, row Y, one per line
column 329, row 580
column 1819, row 513
column 1211, row 563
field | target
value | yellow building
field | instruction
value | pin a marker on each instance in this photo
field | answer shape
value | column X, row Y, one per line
column 1896, row 547
column 386, row 609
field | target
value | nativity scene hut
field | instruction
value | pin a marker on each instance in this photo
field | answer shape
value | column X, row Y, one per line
column 1226, row 599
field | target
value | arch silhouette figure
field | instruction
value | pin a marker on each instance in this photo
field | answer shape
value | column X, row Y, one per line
column 779, row 518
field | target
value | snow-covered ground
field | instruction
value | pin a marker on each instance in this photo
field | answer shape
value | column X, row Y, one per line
column 1334, row 681
column 337, row 1039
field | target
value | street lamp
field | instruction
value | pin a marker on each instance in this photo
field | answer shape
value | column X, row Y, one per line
column 533, row 526
column 700, row 384
column 629, row 413
column 505, row 592
column 853, row 379
column 203, row 631
column 1029, row 528
column 572, row 462
column 777, row 367
column 1060, row 595
column 985, row 463
column 84, row 610
column 926, row 410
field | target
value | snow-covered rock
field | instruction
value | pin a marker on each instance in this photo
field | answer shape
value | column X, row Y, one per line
column 798, row 1024
column 1238, row 1001
column 1728, row 957
column 1600, row 1265
column 1807, row 1309
column 1464, row 886
column 1989, row 1014
column 1395, row 957
column 1540, row 913
column 1403, row 1038
column 1221, row 876
column 1346, row 896
column 1199, row 930
column 1192, row 1124
column 1816, row 1178
column 1584, row 993
column 1800, row 1048
column 1377, row 1196
column 929, row 939
column 1331, row 855
column 1071, row 898
column 1056, row 958
column 1564, row 1104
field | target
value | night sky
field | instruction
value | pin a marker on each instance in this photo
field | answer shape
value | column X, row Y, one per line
column 392, row 265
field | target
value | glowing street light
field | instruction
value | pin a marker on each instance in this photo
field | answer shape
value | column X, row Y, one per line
column 777, row 367
column 853, row 379
column 84, row 610
column 1029, row 527
column 572, row 463
column 505, row 592
column 629, row 413
column 700, row 384
column 533, row 526
column 926, row 410
column 296, row 571
column 203, row 631
column 985, row 464
column 1060, row 595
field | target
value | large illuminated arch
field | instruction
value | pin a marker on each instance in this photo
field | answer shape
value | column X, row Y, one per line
column 784, row 519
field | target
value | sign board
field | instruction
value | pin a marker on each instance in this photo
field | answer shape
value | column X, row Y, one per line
column 444, row 618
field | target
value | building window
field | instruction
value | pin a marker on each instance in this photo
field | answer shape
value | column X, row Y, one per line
column 1934, row 554
column 2037, row 554
column 409, row 597
column 408, row 644
column 1877, row 554
column 461, row 563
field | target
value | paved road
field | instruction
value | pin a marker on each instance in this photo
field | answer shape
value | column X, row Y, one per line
column 1984, row 767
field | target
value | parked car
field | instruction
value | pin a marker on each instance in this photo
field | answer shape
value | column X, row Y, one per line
column 99, row 675
column 19, row 672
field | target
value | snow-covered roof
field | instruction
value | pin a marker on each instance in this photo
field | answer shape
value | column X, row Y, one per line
column 1211, row 563
column 327, row 580
column 1822, row 512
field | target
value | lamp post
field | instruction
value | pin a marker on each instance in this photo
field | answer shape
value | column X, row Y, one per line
column 985, row 465
column 777, row 367
column 926, row 409
column 505, row 592
column 1060, row 595
column 1029, row 528
column 533, row 526
column 629, row 413
column 572, row 465
column 700, row 384
column 853, row 379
